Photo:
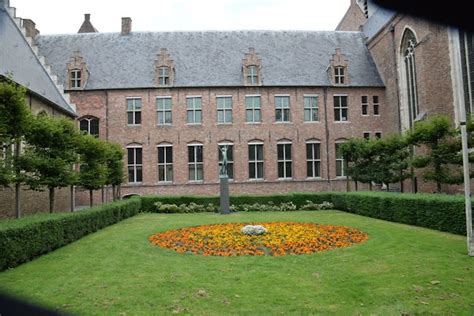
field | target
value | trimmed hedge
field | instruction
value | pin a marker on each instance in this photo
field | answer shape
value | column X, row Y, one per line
column 435, row 211
column 21, row 243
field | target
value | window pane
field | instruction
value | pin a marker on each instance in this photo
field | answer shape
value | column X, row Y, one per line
column 281, row 172
column 309, row 169
column 138, row 156
column 199, row 153
column 138, row 117
column 307, row 115
column 317, row 151
column 169, row 154
column 315, row 117
column 168, row 119
column 192, row 173
column 199, row 172
column 257, row 116
column 259, row 152
column 161, row 154
column 249, row 116
column 260, row 170
column 252, row 170
column 129, row 117
column 280, row 152
column 230, row 170
column 197, row 116
column 309, row 151
column 286, row 117
column 131, row 174
column 288, row 170
column 252, row 150
column 288, row 151
column 317, row 169
column 169, row 173
column 139, row 174
column 131, row 157
column 190, row 118
column 94, row 126
column 161, row 118
column 138, row 104
column 376, row 109
column 278, row 115
column 161, row 173
column 337, row 115
column 84, row 125
column 191, row 157
column 338, row 168
column 228, row 116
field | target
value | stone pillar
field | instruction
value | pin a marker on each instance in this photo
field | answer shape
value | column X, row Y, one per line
column 224, row 196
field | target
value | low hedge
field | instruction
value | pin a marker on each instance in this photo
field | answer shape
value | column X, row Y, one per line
column 436, row 211
column 22, row 242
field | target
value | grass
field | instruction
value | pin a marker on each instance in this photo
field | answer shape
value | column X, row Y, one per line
column 400, row 269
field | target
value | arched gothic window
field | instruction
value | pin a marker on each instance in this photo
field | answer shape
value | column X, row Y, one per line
column 409, row 43
column 89, row 125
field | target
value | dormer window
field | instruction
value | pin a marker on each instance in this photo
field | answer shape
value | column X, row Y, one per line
column 76, row 78
column 252, row 75
column 339, row 75
column 339, row 66
column 164, row 69
column 252, row 69
column 163, row 76
column 77, row 72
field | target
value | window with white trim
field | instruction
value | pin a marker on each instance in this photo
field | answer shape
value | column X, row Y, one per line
column 230, row 158
column 311, row 111
column 165, row 163
column 194, row 110
column 256, row 161
column 195, row 162
column 340, row 162
column 282, row 109
column 284, row 161
column 365, row 105
column 134, row 111
column 376, row 104
column 76, row 78
column 252, row 75
column 340, row 108
column 252, row 109
column 313, row 159
column 164, row 110
column 339, row 76
column 89, row 125
column 163, row 76
column 224, row 109
column 135, row 164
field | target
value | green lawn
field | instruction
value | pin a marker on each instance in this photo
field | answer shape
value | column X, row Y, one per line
column 400, row 269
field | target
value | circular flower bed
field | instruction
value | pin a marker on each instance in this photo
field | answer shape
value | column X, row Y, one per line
column 281, row 238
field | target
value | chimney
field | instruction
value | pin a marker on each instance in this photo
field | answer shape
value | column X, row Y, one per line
column 30, row 28
column 87, row 17
column 126, row 26
column 87, row 26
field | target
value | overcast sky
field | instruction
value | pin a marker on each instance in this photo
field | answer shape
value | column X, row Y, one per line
column 66, row 16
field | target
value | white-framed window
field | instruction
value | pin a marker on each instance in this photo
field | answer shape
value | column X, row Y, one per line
column 253, row 109
column 165, row 163
column 135, row 164
column 230, row 158
column 195, row 162
column 164, row 110
column 340, row 108
column 76, row 78
column 284, row 160
column 339, row 76
column 340, row 162
column 366, row 135
column 256, row 161
column 376, row 104
column 89, row 125
column 252, row 75
column 313, row 159
column 311, row 108
column 224, row 109
column 378, row 135
column 365, row 105
column 164, row 76
column 134, row 111
column 194, row 109
column 282, row 108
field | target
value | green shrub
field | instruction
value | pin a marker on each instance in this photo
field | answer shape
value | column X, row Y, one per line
column 22, row 242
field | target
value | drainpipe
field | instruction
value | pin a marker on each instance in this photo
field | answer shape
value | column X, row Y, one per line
column 325, row 97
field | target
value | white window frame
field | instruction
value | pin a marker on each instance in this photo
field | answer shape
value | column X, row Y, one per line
column 163, row 111
column 89, row 119
column 340, row 108
column 285, row 160
column 194, row 109
column 165, row 164
column 339, row 78
column 228, row 161
column 311, row 109
column 285, row 118
column 340, row 160
column 376, row 105
column 364, row 104
column 224, row 109
column 134, row 110
column 196, row 163
column 252, row 75
column 253, row 108
column 134, row 165
column 76, row 78
column 256, row 161
column 313, row 160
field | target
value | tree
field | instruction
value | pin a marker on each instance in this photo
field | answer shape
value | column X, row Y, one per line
column 114, row 163
column 442, row 160
column 93, row 168
column 358, row 157
column 50, row 155
column 15, row 117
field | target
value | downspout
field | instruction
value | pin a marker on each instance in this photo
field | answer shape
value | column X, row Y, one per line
column 394, row 50
column 325, row 97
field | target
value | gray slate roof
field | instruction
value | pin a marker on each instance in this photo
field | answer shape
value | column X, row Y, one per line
column 212, row 58
column 377, row 21
column 17, row 58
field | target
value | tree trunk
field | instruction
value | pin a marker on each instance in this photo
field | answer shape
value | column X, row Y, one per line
column 91, row 198
column 73, row 198
column 103, row 194
column 51, row 200
column 114, row 192
column 388, row 187
column 438, row 187
column 17, row 184
column 119, row 192
column 356, row 186
column 348, row 184
column 370, row 185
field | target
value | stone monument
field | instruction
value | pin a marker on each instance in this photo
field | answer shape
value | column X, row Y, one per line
column 224, row 183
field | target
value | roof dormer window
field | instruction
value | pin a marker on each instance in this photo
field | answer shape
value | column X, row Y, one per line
column 252, row 69
column 339, row 75
column 76, row 78
column 252, row 75
column 164, row 69
column 77, row 72
column 163, row 76
column 339, row 66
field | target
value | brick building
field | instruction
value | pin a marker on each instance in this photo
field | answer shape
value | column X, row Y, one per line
column 21, row 63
